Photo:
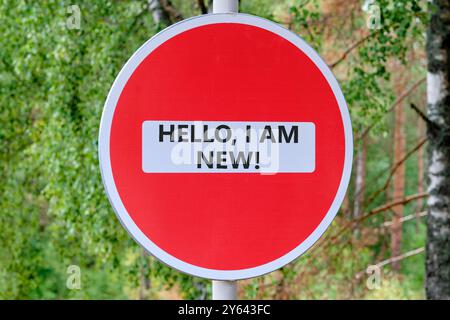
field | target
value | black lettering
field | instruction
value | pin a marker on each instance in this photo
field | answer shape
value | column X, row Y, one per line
column 267, row 134
column 163, row 133
column 236, row 161
column 292, row 134
column 257, row 160
column 183, row 132
column 209, row 162
column 193, row 139
column 221, row 158
column 248, row 133
column 228, row 131
column 205, row 134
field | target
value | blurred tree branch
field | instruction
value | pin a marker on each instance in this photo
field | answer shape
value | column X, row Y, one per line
column 351, row 48
column 392, row 107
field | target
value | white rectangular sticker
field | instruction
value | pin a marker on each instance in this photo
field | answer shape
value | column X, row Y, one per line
column 228, row 147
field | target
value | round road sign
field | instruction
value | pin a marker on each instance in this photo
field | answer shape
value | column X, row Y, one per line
column 226, row 146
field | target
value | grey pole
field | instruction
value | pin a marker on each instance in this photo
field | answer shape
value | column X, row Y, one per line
column 225, row 6
column 225, row 290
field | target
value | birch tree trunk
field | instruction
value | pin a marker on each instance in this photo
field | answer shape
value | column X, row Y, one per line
column 163, row 12
column 160, row 16
column 438, row 221
column 420, row 169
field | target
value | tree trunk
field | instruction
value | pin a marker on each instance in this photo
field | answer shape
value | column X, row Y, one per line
column 163, row 12
column 438, row 221
column 360, row 183
column 360, row 179
column 145, row 280
column 398, row 181
column 420, row 168
column 210, row 6
column 160, row 16
column 202, row 6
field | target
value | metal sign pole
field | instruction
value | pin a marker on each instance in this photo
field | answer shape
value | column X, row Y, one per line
column 225, row 290
column 225, row 6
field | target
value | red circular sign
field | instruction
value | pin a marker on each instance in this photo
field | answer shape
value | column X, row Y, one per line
column 225, row 69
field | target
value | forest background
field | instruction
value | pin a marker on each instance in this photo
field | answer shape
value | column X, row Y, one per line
column 59, row 237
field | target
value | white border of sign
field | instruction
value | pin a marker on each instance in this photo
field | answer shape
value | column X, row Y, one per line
column 105, row 128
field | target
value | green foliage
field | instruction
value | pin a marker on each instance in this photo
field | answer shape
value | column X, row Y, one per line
column 54, row 83
column 402, row 26
column 53, row 210
column 394, row 288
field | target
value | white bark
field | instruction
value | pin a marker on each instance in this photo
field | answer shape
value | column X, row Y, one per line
column 158, row 13
column 438, row 222
column 435, row 89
